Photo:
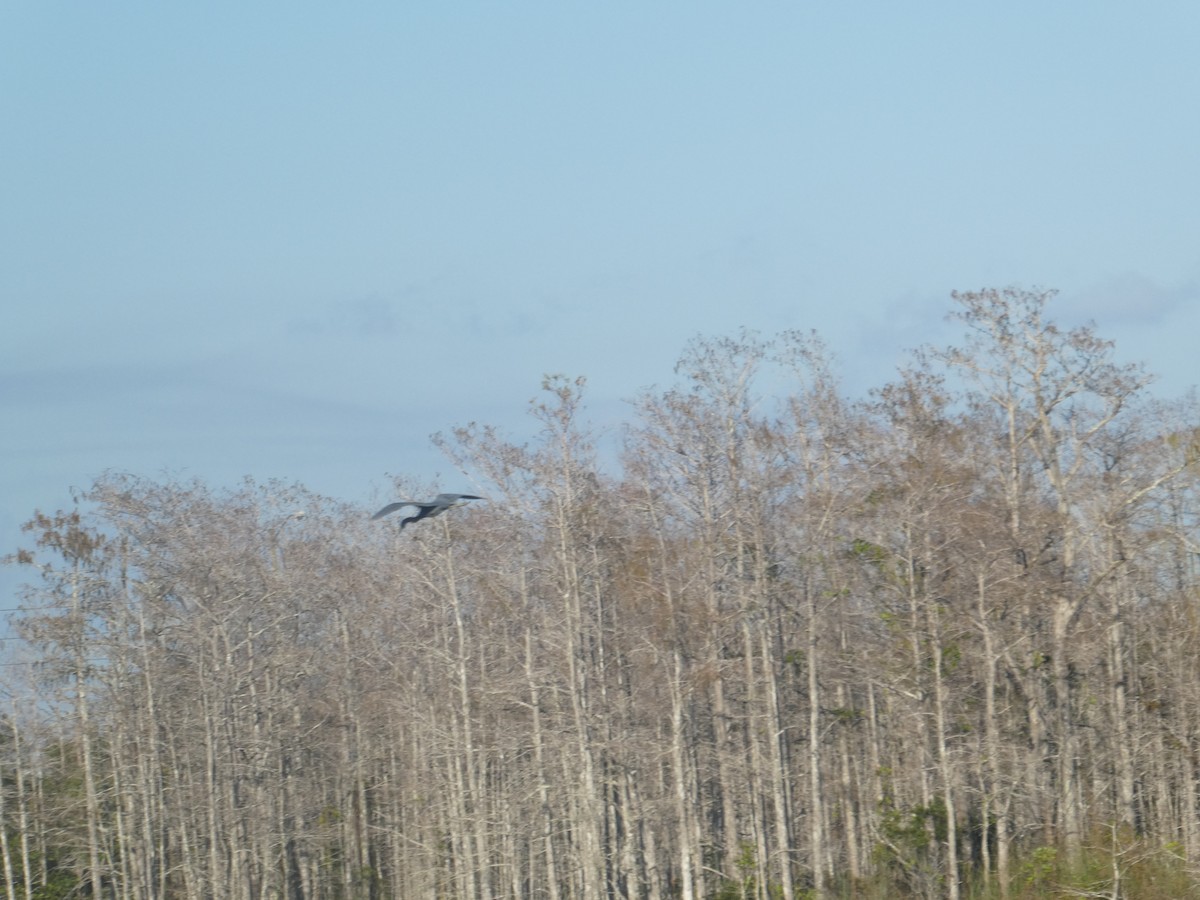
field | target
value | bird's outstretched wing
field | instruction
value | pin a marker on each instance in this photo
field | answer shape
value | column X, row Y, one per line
column 434, row 507
column 392, row 507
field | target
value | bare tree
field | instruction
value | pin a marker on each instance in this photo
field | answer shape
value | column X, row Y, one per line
column 1060, row 394
column 940, row 643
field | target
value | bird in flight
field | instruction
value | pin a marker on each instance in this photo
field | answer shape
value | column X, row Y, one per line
column 426, row 508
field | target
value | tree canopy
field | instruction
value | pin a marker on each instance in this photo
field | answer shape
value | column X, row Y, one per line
column 938, row 642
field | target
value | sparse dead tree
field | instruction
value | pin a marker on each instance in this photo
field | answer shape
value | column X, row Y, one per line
column 1061, row 396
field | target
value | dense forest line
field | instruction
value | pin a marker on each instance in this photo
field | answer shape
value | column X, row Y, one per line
column 943, row 641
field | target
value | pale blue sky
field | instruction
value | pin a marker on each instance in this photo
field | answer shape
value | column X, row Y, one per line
column 291, row 241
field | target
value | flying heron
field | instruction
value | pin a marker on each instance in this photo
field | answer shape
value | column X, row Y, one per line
column 426, row 508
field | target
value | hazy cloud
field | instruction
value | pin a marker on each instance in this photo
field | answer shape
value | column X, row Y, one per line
column 1127, row 299
column 881, row 342
column 362, row 317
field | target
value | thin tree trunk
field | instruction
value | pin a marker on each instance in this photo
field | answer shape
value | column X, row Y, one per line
column 850, row 794
column 992, row 770
column 1068, row 755
column 683, row 803
column 757, row 722
column 474, row 840
column 816, row 803
column 541, row 773
column 10, row 882
column 1126, row 813
column 945, row 766
column 91, row 794
column 781, row 799
column 22, row 801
